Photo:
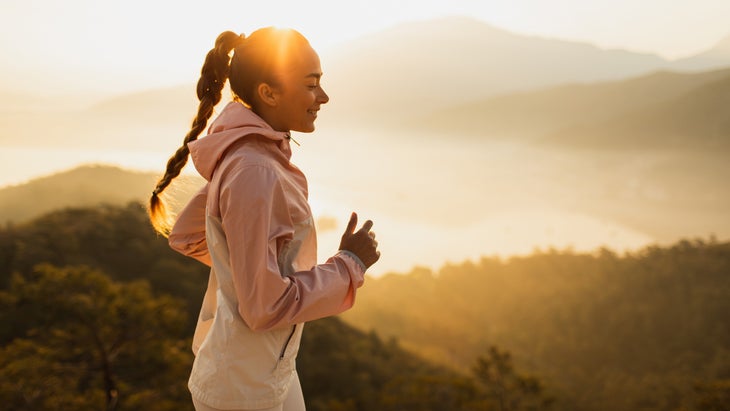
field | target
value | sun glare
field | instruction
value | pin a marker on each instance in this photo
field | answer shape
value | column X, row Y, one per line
column 57, row 115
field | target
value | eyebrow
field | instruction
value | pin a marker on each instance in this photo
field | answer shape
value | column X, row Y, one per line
column 314, row 75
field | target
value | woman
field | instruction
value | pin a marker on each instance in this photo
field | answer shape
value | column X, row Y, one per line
column 252, row 225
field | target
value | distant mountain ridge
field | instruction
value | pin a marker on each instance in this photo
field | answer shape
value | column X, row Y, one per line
column 378, row 81
column 426, row 66
column 86, row 186
column 691, row 108
column 698, row 120
column 715, row 57
column 651, row 148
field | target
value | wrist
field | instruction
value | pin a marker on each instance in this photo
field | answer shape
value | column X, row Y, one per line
column 354, row 257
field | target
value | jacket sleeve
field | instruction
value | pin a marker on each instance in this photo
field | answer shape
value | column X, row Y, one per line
column 188, row 234
column 257, row 222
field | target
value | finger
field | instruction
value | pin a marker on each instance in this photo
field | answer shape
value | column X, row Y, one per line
column 372, row 234
column 367, row 226
column 351, row 224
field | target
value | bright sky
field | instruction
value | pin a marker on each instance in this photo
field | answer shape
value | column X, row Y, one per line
column 123, row 45
column 57, row 47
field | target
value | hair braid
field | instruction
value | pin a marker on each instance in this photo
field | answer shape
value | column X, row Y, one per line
column 213, row 76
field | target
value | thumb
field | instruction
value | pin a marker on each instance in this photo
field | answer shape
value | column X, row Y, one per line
column 351, row 224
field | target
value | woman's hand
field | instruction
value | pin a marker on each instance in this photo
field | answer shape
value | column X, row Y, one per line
column 361, row 242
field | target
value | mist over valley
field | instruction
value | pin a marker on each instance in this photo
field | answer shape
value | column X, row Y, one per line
column 463, row 140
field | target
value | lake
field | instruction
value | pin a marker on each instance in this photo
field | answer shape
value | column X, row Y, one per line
column 439, row 200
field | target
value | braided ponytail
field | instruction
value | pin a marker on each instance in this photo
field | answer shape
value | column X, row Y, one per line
column 213, row 76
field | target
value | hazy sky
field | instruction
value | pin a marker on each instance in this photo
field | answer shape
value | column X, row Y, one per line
column 133, row 44
column 58, row 47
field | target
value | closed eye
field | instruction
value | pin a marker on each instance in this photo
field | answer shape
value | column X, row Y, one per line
column 313, row 77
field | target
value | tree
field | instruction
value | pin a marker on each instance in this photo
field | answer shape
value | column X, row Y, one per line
column 86, row 342
column 503, row 388
column 117, row 240
column 713, row 395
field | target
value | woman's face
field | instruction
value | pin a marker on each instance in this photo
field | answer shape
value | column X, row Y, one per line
column 299, row 94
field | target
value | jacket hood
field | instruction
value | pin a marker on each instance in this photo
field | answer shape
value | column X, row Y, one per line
column 234, row 123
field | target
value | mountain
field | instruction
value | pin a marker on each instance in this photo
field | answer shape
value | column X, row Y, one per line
column 159, row 105
column 425, row 66
column 87, row 186
column 491, row 154
column 717, row 56
column 609, row 331
column 380, row 80
column 688, row 107
column 150, row 120
column 698, row 120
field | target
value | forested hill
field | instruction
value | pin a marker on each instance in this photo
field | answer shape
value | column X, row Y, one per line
column 87, row 186
column 97, row 309
column 98, row 313
column 640, row 331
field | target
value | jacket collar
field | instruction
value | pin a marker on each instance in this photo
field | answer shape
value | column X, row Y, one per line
column 234, row 123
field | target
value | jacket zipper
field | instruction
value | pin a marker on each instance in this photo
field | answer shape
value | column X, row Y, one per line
column 286, row 343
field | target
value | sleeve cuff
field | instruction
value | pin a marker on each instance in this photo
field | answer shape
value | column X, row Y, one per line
column 354, row 257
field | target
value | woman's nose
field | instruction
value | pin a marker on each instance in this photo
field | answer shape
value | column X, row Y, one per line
column 323, row 97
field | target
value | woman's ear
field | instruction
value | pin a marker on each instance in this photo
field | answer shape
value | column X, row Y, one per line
column 267, row 94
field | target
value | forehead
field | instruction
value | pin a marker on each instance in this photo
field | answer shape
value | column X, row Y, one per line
column 303, row 62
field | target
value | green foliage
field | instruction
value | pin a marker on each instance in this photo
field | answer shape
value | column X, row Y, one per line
column 117, row 240
column 602, row 331
column 86, row 342
column 504, row 389
column 345, row 369
column 98, row 312
column 713, row 395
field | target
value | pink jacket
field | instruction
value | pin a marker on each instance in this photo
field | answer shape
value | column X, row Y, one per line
column 252, row 224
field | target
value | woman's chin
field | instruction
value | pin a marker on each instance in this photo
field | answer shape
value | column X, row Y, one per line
column 308, row 128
